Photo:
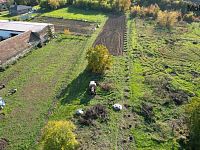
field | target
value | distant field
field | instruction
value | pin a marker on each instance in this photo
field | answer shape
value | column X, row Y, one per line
column 74, row 26
column 77, row 14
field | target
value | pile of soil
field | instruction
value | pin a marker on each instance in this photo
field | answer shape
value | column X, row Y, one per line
column 3, row 143
column 96, row 112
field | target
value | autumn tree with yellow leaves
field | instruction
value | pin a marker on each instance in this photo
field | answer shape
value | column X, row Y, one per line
column 99, row 59
column 58, row 135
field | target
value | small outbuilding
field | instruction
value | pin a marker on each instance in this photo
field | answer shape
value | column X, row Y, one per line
column 19, row 9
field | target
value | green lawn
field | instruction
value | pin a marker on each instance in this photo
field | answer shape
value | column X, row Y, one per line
column 77, row 14
column 165, row 66
column 39, row 78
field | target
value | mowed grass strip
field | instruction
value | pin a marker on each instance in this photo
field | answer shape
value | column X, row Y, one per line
column 77, row 14
column 38, row 78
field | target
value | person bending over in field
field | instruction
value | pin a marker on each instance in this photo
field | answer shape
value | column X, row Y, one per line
column 92, row 87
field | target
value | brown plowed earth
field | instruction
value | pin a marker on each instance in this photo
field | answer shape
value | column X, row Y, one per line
column 74, row 26
column 112, row 35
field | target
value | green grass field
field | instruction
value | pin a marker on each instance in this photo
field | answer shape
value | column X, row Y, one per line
column 38, row 78
column 159, row 68
column 165, row 68
column 77, row 14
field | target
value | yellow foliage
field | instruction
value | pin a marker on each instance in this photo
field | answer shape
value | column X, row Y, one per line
column 123, row 5
column 99, row 59
column 58, row 135
column 67, row 32
column 54, row 3
column 135, row 10
column 167, row 19
column 150, row 11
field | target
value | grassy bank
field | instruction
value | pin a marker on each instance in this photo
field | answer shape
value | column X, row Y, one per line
column 76, row 14
column 165, row 76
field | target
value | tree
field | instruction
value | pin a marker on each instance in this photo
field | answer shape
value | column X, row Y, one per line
column 58, row 135
column 99, row 59
column 193, row 113
column 54, row 4
column 167, row 18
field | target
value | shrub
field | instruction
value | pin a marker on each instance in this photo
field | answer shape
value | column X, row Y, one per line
column 58, row 135
column 67, row 32
column 167, row 19
column 150, row 11
column 189, row 17
column 123, row 5
column 96, row 112
column 99, row 59
column 135, row 10
column 106, row 5
column 52, row 4
column 193, row 113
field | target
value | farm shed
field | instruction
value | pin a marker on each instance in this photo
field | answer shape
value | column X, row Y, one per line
column 19, row 9
column 19, row 37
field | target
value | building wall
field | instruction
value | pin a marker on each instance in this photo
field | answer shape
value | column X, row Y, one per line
column 45, row 33
column 13, row 46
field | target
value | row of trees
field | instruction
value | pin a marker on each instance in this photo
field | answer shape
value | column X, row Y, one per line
column 106, row 5
column 164, row 18
column 176, row 5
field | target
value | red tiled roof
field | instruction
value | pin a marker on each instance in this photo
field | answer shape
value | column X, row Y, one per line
column 3, row 1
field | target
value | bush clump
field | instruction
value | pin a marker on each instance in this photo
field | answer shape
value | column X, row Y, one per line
column 52, row 4
column 99, row 59
column 164, row 18
column 58, row 135
column 189, row 17
column 167, row 19
column 193, row 113
column 150, row 11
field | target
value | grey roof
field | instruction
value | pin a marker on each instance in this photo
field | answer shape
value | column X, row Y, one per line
column 20, row 7
column 22, row 26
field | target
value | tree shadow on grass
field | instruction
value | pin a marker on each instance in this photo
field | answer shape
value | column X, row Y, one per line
column 78, row 88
